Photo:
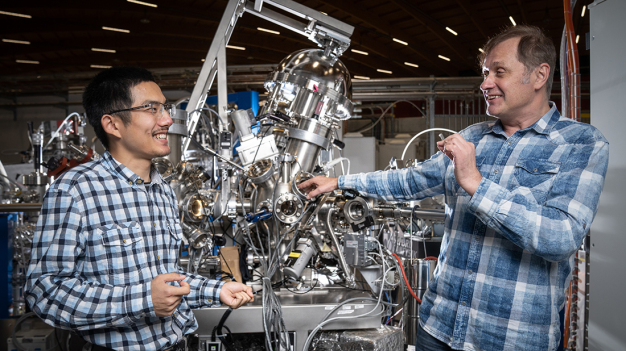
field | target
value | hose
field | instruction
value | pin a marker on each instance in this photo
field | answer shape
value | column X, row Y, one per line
column 420, row 133
column 17, row 344
column 59, row 129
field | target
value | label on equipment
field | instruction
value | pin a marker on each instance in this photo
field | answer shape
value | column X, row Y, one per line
column 347, row 307
column 358, row 306
column 352, row 243
column 345, row 311
column 328, row 308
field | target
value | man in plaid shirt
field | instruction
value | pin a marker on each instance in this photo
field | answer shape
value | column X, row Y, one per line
column 104, row 261
column 521, row 193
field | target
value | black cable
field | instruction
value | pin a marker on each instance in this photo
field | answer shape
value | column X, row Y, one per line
column 217, row 330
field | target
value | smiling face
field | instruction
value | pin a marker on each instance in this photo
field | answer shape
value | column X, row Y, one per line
column 145, row 137
column 508, row 88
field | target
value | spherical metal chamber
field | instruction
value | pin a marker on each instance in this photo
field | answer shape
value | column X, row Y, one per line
column 309, row 84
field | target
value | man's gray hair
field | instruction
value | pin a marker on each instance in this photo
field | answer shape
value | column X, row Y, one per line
column 534, row 48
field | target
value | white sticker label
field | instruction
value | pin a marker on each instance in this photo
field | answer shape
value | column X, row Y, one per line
column 328, row 308
column 410, row 348
column 345, row 312
column 347, row 307
column 356, row 307
column 352, row 243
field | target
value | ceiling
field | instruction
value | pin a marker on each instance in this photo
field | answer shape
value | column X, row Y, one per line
column 175, row 36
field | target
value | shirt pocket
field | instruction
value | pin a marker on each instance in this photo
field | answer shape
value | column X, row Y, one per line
column 124, row 248
column 537, row 176
column 175, row 238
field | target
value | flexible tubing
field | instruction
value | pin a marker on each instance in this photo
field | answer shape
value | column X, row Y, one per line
column 406, row 280
column 420, row 133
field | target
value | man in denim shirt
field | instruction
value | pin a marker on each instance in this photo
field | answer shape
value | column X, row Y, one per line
column 521, row 193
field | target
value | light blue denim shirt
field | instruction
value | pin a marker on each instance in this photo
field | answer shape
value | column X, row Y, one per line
column 101, row 238
column 508, row 250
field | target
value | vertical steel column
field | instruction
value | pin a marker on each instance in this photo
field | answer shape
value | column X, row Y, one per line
column 222, row 91
column 233, row 11
column 431, row 122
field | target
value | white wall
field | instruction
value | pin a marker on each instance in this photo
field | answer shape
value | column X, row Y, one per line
column 607, row 310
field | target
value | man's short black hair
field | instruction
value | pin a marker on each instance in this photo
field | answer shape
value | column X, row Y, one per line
column 111, row 90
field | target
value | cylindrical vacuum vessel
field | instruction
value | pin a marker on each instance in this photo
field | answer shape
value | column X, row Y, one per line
column 419, row 273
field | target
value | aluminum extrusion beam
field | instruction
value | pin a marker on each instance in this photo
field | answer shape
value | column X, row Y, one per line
column 234, row 10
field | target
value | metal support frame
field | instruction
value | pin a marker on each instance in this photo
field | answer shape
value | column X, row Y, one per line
column 329, row 33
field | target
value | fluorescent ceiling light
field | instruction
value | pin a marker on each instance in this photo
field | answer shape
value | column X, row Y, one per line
column 361, row 77
column 443, row 58
column 116, row 29
column 582, row 14
column 100, row 66
column 15, row 14
column 16, row 41
column 142, row 3
column 268, row 30
column 384, row 71
column 411, row 64
column 104, row 50
column 324, row 13
column 400, row 41
column 28, row 61
column 481, row 50
column 202, row 60
column 512, row 21
column 359, row 52
column 577, row 38
column 235, row 47
column 451, row 31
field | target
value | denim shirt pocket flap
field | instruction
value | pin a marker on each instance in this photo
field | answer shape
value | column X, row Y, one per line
column 538, row 166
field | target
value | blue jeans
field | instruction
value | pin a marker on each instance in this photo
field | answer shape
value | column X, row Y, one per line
column 426, row 342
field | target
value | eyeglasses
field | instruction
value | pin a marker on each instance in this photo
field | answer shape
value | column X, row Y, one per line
column 156, row 108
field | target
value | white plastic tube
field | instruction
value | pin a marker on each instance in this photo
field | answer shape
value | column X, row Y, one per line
column 420, row 133
column 330, row 164
column 60, row 127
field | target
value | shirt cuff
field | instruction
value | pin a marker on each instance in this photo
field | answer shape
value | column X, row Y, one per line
column 138, row 301
column 485, row 201
column 211, row 293
column 348, row 181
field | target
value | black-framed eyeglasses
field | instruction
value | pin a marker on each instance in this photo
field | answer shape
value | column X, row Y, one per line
column 156, row 108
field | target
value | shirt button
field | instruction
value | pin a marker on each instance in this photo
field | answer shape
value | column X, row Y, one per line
column 510, row 142
column 158, row 257
column 130, row 183
column 210, row 301
column 496, row 171
column 535, row 170
column 464, row 303
column 470, row 272
column 124, row 240
column 155, row 224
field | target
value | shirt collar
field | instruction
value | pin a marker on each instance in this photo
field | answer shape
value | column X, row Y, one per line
column 542, row 126
column 126, row 174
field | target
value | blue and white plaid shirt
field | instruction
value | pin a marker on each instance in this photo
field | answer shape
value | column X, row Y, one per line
column 102, row 236
column 507, row 252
